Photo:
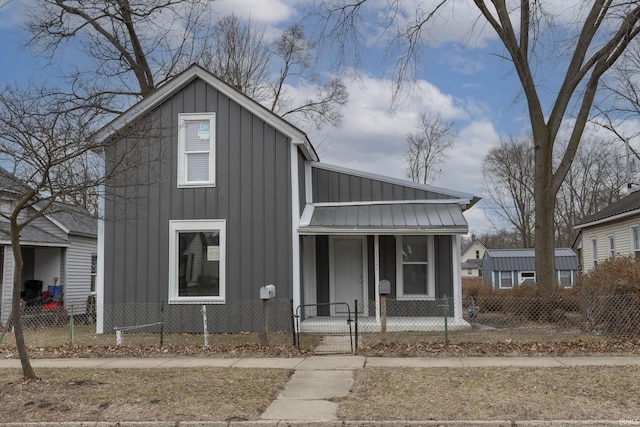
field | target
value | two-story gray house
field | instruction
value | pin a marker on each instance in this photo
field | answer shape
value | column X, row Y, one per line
column 238, row 198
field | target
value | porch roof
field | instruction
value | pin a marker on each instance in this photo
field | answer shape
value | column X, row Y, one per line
column 435, row 217
column 32, row 235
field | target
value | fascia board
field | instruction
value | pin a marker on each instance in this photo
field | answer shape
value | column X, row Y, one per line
column 608, row 219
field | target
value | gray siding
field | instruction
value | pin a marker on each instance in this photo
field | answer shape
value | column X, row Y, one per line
column 443, row 276
column 77, row 285
column 331, row 186
column 252, row 192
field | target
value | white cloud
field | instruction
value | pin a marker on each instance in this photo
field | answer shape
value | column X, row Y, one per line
column 259, row 11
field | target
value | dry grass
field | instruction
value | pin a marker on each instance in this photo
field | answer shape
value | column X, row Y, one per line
column 583, row 393
column 202, row 394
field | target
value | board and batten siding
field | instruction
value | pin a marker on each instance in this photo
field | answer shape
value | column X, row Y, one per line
column 621, row 230
column 334, row 187
column 252, row 193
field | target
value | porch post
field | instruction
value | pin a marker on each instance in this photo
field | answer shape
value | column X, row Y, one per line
column 376, row 256
column 457, row 279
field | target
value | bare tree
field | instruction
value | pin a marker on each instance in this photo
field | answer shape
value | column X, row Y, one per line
column 508, row 176
column 599, row 35
column 132, row 45
column 44, row 140
column 265, row 71
column 594, row 181
column 427, row 149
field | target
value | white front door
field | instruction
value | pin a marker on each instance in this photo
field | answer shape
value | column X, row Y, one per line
column 348, row 281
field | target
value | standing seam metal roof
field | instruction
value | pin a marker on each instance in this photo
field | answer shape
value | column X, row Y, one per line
column 525, row 259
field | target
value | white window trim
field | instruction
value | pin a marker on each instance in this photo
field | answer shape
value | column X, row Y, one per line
column 500, row 279
column 182, row 143
column 611, row 245
column 431, row 278
column 634, row 249
column 571, row 278
column 177, row 226
column 594, row 252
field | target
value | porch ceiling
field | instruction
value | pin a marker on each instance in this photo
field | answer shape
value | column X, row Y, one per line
column 383, row 218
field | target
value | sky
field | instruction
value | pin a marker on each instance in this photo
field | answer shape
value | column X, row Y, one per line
column 461, row 77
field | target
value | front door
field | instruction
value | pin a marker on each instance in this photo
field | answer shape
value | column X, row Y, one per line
column 349, row 273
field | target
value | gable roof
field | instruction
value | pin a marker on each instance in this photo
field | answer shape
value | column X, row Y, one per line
column 162, row 93
column 625, row 207
column 525, row 259
column 468, row 245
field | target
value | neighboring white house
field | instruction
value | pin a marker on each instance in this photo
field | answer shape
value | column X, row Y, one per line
column 61, row 244
column 610, row 232
column 471, row 256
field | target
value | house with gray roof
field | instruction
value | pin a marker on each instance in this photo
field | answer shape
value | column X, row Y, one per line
column 471, row 256
column 58, row 249
column 506, row 268
column 610, row 232
column 242, row 200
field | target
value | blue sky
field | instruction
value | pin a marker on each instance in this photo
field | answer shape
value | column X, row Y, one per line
column 461, row 78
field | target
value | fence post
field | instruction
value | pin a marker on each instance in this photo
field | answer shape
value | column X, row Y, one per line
column 446, row 314
column 265, row 321
column 383, row 318
column 204, row 326
column 71, row 325
column 161, row 324
column 293, row 323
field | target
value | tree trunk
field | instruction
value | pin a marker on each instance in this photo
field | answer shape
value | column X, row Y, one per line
column 27, row 370
column 545, row 198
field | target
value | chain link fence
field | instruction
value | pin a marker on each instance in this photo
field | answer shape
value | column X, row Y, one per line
column 479, row 316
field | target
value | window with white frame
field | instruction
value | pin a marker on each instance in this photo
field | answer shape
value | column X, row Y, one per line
column 594, row 252
column 415, row 277
column 94, row 272
column 196, row 150
column 611, row 245
column 635, row 242
column 197, row 261
column 565, row 278
column 506, row 280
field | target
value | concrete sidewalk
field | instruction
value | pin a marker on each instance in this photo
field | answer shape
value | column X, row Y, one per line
column 327, row 362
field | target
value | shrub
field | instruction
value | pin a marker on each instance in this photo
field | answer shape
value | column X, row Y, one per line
column 610, row 297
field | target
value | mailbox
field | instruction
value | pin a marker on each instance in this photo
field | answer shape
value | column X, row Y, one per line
column 384, row 287
column 268, row 292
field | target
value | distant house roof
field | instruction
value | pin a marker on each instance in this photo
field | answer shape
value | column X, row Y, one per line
column 627, row 206
column 525, row 259
column 74, row 219
column 466, row 247
column 31, row 235
column 472, row 263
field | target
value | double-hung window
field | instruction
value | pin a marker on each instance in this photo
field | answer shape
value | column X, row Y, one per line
column 506, row 280
column 594, row 252
column 197, row 261
column 415, row 275
column 635, row 242
column 196, row 150
column 611, row 243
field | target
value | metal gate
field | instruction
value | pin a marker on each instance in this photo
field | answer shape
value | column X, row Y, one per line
column 324, row 332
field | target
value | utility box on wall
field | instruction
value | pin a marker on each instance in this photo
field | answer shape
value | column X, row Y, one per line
column 268, row 292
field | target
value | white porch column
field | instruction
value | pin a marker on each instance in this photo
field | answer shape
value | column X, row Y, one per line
column 376, row 260
column 457, row 279
column 7, row 285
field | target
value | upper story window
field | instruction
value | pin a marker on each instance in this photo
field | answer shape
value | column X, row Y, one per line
column 196, row 150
